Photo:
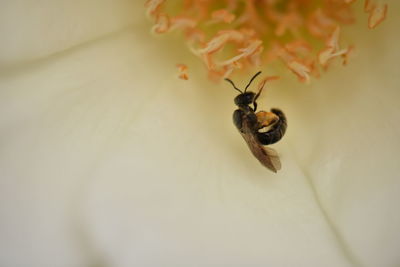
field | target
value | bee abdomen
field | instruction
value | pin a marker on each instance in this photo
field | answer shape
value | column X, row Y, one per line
column 276, row 132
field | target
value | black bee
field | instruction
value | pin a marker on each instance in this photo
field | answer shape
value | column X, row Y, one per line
column 261, row 128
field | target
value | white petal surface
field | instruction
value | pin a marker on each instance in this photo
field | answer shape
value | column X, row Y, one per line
column 122, row 160
column 108, row 160
column 352, row 155
column 34, row 29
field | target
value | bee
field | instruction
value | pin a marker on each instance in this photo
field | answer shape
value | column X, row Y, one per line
column 261, row 128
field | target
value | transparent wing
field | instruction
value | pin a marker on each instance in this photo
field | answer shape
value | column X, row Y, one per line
column 275, row 162
column 267, row 156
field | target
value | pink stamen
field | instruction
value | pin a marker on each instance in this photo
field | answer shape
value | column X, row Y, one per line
column 183, row 69
column 377, row 14
column 229, row 35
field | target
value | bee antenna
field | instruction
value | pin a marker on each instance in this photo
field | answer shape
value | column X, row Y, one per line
column 234, row 86
column 258, row 73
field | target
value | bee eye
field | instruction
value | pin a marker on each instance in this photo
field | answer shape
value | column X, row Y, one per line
column 248, row 98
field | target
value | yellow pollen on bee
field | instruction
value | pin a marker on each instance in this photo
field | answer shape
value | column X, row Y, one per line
column 266, row 118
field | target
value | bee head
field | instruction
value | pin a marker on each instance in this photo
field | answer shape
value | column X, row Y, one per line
column 244, row 99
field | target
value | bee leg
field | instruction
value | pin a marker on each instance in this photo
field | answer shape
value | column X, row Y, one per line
column 257, row 96
column 254, row 106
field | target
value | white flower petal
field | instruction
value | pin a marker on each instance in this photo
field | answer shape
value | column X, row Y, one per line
column 34, row 29
column 109, row 159
column 158, row 157
column 347, row 139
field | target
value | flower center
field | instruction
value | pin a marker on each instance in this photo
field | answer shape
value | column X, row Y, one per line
column 228, row 35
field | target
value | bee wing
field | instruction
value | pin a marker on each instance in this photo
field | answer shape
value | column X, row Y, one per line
column 267, row 156
column 275, row 162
